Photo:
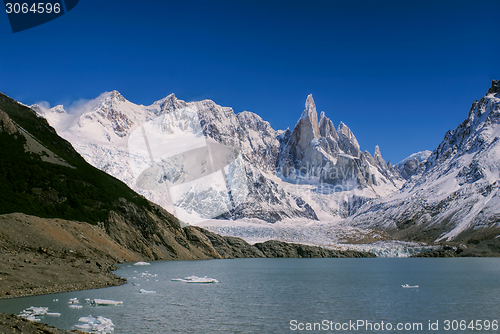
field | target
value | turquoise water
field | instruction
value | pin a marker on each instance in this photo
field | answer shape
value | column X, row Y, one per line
column 286, row 295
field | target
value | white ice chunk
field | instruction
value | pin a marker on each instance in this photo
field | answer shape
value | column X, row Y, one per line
column 105, row 302
column 54, row 314
column 31, row 312
column 146, row 291
column 100, row 324
column 196, row 279
column 142, row 263
column 90, row 319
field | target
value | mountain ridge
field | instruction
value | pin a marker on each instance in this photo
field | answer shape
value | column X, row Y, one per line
column 259, row 150
column 454, row 195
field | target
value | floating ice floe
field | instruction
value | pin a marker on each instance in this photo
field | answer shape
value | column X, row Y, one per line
column 146, row 274
column 105, row 302
column 32, row 312
column 74, row 303
column 196, row 279
column 146, row 291
column 142, row 263
column 99, row 325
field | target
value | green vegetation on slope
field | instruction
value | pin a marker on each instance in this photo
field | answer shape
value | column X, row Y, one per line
column 32, row 186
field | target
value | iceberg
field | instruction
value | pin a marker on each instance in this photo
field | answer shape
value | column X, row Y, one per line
column 142, row 263
column 105, row 302
column 99, row 325
column 196, row 279
column 146, row 291
column 54, row 314
column 146, row 274
column 89, row 320
column 32, row 312
column 30, row 317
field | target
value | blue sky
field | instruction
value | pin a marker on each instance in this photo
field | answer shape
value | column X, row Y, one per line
column 398, row 73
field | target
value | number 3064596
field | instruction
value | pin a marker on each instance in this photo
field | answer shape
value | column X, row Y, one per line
column 36, row 8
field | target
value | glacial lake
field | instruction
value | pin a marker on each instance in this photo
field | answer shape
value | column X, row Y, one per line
column 287, row 295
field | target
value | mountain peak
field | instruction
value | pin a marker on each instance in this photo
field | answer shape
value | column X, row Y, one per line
column 322, row 116
column 58, row 109
column 344, row 129
column 378, row 156
column 310, row 111
column 170, row 102
column 347, row 141
column 116, row 95
column 309, row 117
column 310, row 105
column 495, row 87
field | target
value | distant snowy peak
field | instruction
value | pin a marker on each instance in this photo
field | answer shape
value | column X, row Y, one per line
column 168, row 103
column 420, row 156
column 110, row 109
column 378, row 157
column 412, row 164
column 41, row 110
column 495, row 87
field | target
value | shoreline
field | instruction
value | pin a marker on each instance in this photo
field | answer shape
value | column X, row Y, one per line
column 29, row 274
column 95, row 278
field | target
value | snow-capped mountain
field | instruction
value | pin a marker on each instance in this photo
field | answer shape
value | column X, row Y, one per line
column 455, row 194
column 201, row 160
column 198, row 160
